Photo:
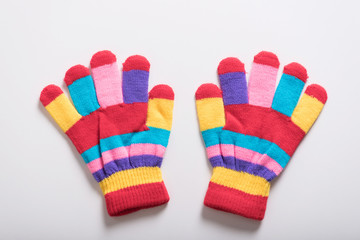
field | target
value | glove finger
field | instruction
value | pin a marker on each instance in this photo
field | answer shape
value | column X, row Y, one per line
column 262, row 79
column 82, row 89
column 233, row 81
column 107, row 78
column 59, row 107
column 160, row 108
column 210, row 107
column 211, row 115
column 135, row 79
column 309, row 107
column 289, row 89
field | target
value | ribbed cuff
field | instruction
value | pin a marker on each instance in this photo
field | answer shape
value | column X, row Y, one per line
column 133, row 189
column 134, row 198
column 235, row 201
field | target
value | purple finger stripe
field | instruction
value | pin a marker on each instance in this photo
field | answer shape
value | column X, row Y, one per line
column 135, row 86
column 125, row 164
column 229, row 150
column 242, row 166
column 234, row 88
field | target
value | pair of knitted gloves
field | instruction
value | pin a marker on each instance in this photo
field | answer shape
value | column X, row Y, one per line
column 121, row 131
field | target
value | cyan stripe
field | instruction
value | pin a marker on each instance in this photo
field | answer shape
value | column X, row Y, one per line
column 218, row 136
column 287, row 94
column 153, row 135
column 83, row 94
column 91, row 154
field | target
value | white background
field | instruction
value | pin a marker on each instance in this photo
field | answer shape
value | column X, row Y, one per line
column 47, row 191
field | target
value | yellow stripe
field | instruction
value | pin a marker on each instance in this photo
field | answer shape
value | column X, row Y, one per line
column 306, row 112
column 160, row 113
column 211, row 113
column 131, row 177
column 241, row 181
column 63, row 112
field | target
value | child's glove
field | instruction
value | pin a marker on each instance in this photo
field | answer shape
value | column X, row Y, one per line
column 250, row 132
column 119, row 129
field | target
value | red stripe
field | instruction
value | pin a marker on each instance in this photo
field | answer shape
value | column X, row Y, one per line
column 317, row 92
column 102, row 58
column 230, row 64
column 267, row 58
column 296, row 70
column 85, row 132
column 208, row 90
column 134, row 198
column 74, row 73
column 162, row 91
column 113, row 120
column 49, row 93
column 123, row 118
column 136, row 62
column 264, row 123
column 234, row 201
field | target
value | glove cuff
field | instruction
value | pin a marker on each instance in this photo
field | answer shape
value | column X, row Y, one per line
column 237, row 192
column 131, row 190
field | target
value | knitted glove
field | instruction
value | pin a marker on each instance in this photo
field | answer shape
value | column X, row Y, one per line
column 119, row 129
column 250, row 132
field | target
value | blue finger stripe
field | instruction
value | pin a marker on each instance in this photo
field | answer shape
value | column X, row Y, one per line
column 135, row 86
column 234, row 88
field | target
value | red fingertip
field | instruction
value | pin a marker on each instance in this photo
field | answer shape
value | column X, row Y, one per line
column 74, row 73
column 317, row 92
column 208, row 90
column 49, row 93
column 296, row 70
column 162, row 91
column 136, row 62
column 267, row 58
column 102, row 58
column 230, row 64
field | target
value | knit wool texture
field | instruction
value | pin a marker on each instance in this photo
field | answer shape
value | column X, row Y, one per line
column 120, row 129
column 251, row 131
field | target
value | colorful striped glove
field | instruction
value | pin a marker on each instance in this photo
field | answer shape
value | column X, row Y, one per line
column 119, row 132
column 250, row 132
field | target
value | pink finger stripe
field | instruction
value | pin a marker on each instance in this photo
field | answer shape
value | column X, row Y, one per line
column 262, row 84
column 95, row 165
column 147, row 149
column 126, row 152
column 228, row 150
column 108, row 84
